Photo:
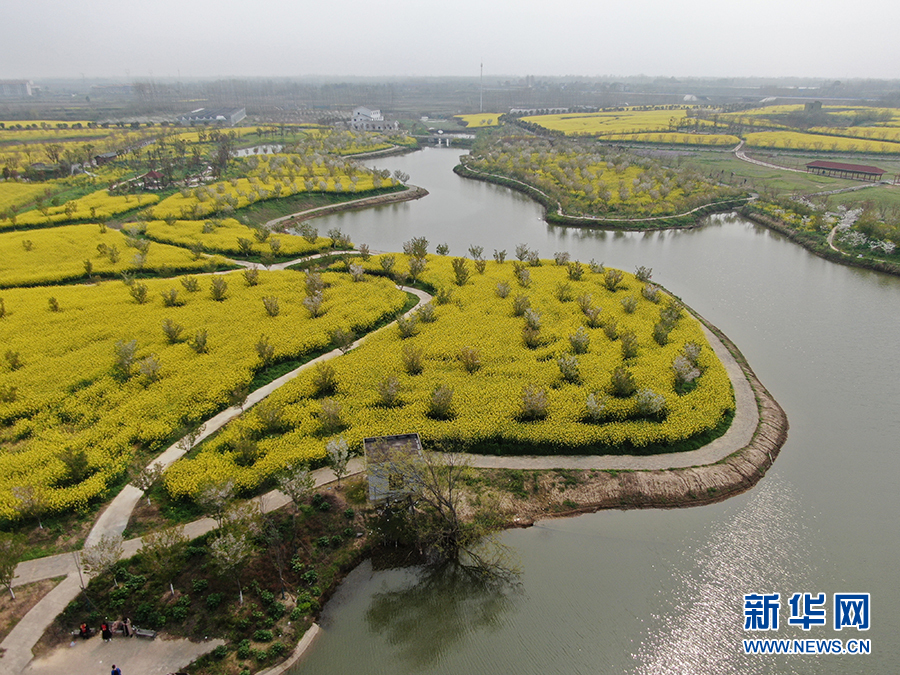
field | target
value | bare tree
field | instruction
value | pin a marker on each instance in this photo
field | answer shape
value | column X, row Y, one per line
column 214, row 499
column 102, row 556
column 163, row 550
column 230, row 551
column 338, row 456
column 147, row 478
column 12, row 548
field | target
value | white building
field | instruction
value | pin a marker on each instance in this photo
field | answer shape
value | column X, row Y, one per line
column 365, row 119
column 222, row 116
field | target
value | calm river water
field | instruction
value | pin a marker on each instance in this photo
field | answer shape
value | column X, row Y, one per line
column 662, row 591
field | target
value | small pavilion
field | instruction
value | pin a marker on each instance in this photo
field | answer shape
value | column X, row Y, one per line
column 841, row 170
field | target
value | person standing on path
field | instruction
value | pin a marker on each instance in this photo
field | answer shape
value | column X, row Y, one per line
column 115, row 670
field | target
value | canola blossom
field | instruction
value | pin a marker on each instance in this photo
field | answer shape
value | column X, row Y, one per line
column 487, row 399
column 56, row 255
column 271, row 177
column 95, row 206
column 222, row 235
column 62, row 393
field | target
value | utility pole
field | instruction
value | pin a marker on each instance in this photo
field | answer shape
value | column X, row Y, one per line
column 481, row 97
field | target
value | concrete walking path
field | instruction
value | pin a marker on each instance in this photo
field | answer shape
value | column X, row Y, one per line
column 741, row 155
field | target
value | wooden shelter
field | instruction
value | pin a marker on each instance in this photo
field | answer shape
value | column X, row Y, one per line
column 382, row 455
column 841, row 170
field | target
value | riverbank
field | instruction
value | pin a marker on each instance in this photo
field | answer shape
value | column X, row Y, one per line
column 553, row 210
column 817, row 245
column 412, row 192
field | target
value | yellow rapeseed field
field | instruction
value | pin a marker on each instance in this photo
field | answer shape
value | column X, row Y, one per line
column 486, row 402
column 725, row 140
column 13, row 196
column 58, row 254
column 61, row 393
column 604, row 123
column 221, row 236
column 97, row 205
column 479, row 120
column 801, row 141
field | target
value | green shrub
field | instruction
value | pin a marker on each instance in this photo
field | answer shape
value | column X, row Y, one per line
column 263, row 636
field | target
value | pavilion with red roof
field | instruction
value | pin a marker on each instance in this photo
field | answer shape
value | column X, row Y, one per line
column 841, row 170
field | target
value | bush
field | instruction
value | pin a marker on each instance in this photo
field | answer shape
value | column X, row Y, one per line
column 643, row 273
column 413, row 359
column 535, row 404
column 251, row 276
column 199, row 585
column 685, row 371
column 220, row 652
column 499, row 256
column 520, row 304
column 531, row 337
column 502, row 289
column 425, row 313
column 532, row 319
column 561, row 258
column 213, row 600
column 243, row 650
column 575, row 270
column 623, row 384
column 219, row 289
column 198, row 342
column 523, row 276
column 534, row 259
column 661, row 333
column 612, row 279
column 440, row 404
column 563, row 291
column 138, row 292
column 629, row 304
column 313, row 304
column 596, row 408
column 170, row 298
column 629, row 345
column 331, row 416
column 651, row 292
column 470, row 359
column 461, row 271
column 265, row 350
column 389, row 391
column 443, row 295
column 271, row 305
column 406, row 326
column 593, row 318
column 611, row 329
column 568, row 368
column 649, row 404
column 596, row 268
column 172, row 331
column 324, row 379
column 580, row 340
column 191, row 284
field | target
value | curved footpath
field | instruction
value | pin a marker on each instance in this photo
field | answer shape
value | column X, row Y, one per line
column 729, row 465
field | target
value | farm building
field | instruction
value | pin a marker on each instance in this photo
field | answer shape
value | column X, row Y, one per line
column 365, row 119
column 382, row 455
column 224, row 116
column 841, row 170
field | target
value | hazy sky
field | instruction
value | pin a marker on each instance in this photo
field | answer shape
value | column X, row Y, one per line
column 201, row 38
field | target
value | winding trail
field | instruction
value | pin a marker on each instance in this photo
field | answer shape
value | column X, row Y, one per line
column 741, row 155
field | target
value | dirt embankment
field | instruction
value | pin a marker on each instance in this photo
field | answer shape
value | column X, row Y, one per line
column 412, row 193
